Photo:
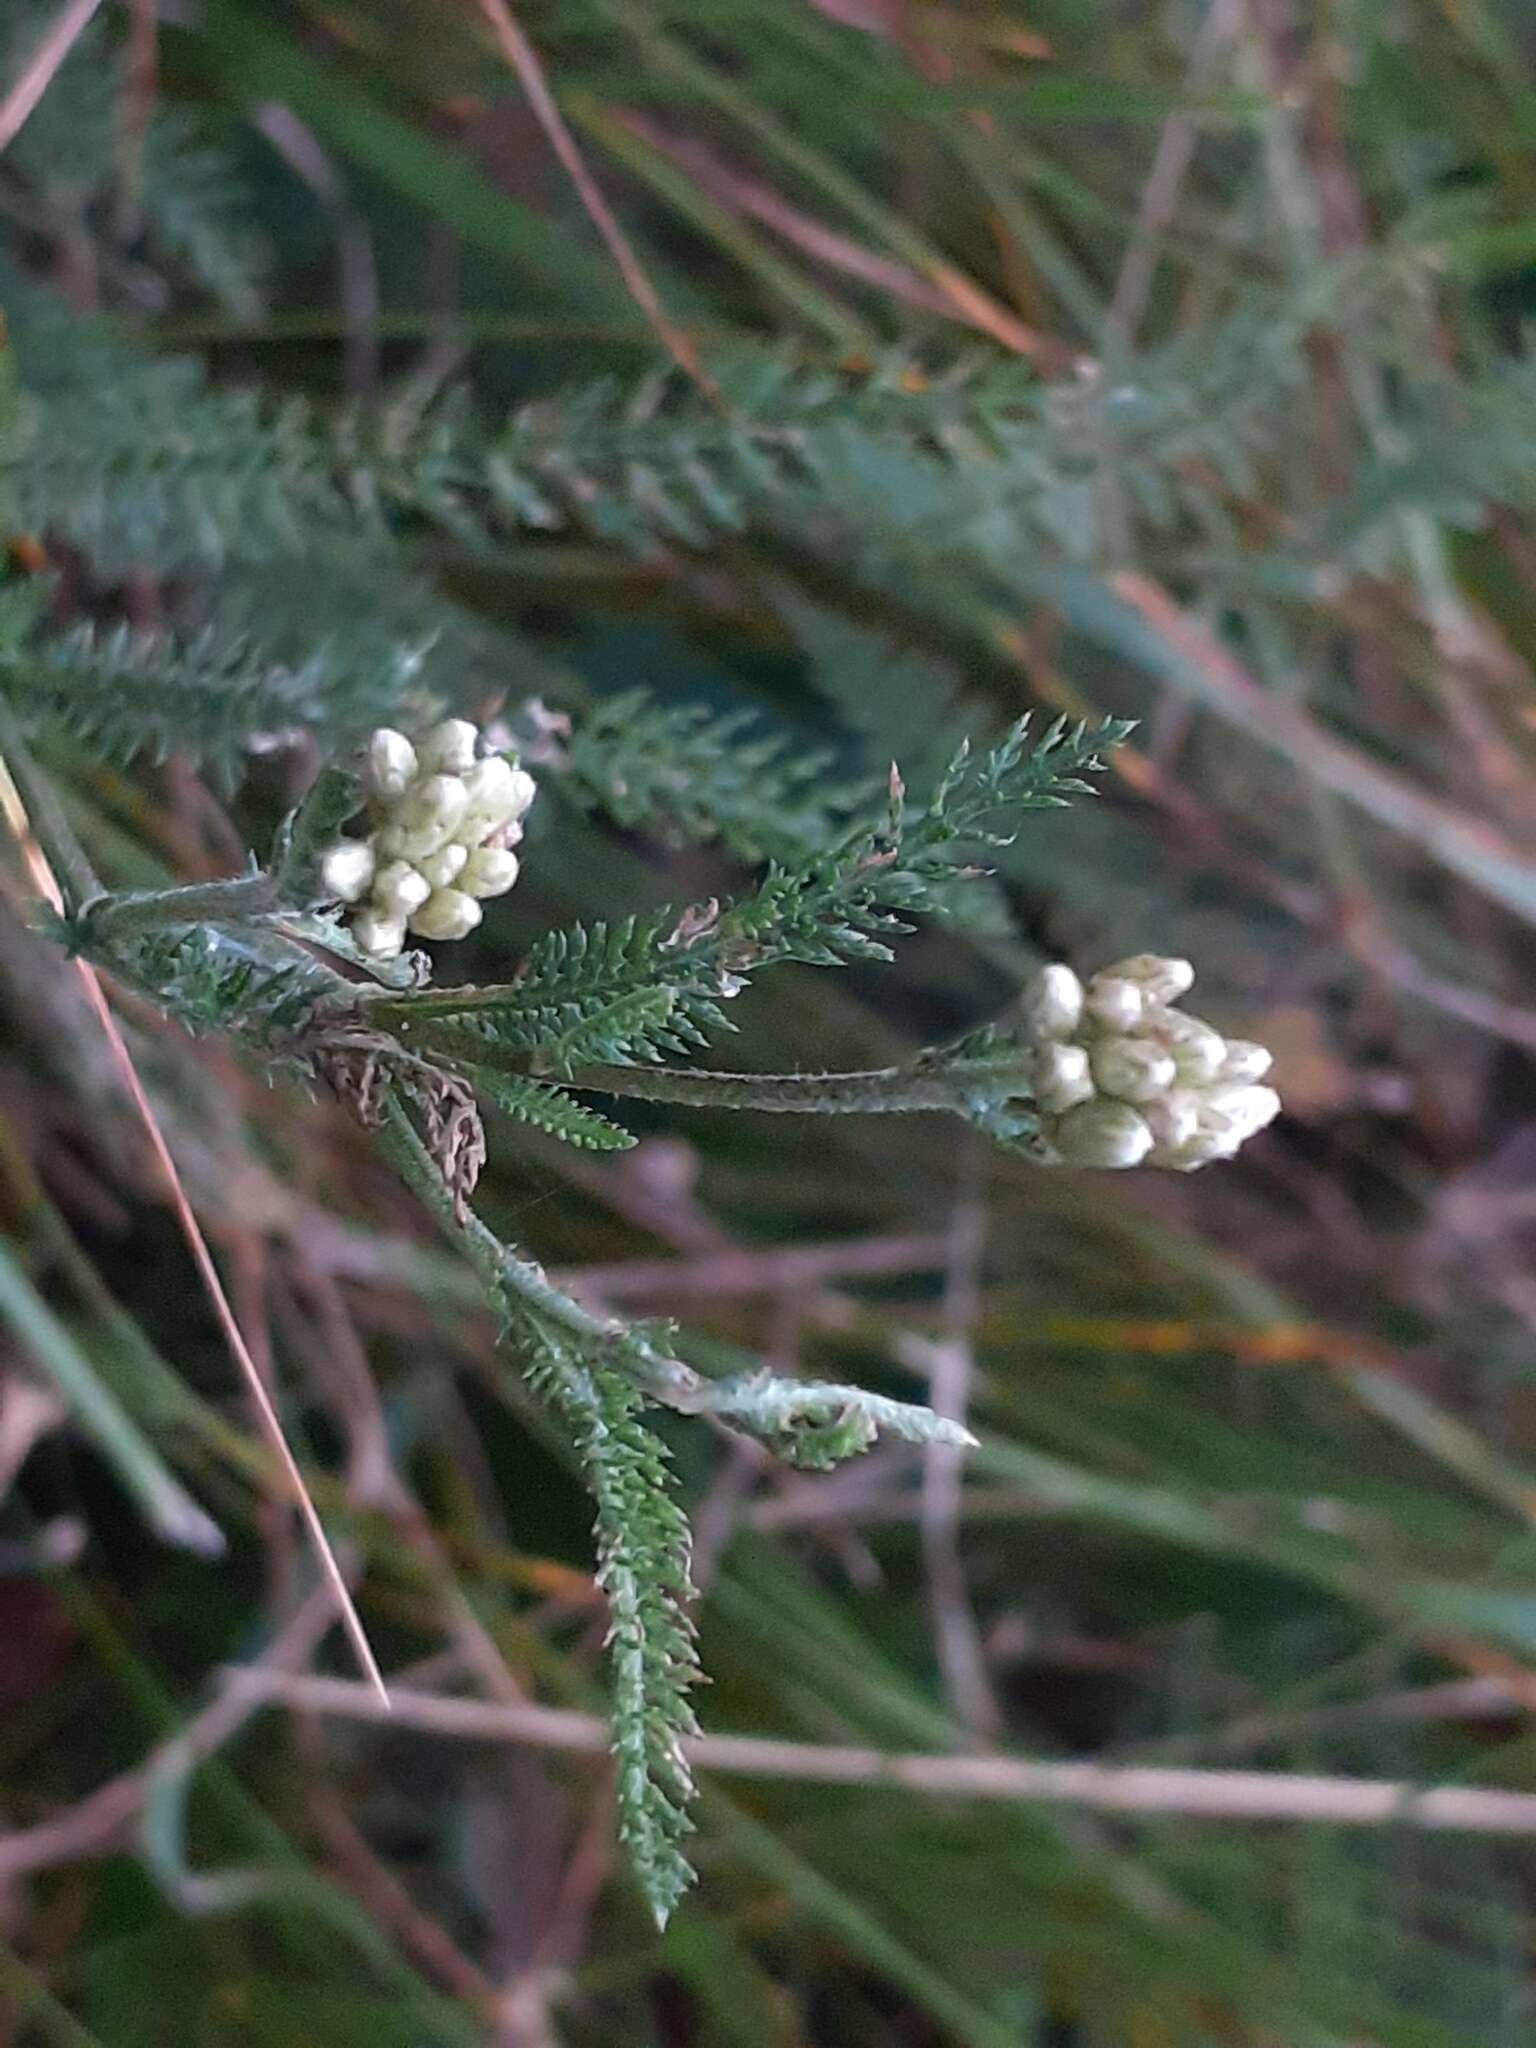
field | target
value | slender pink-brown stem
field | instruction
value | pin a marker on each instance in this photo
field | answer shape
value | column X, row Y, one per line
column 38, row 73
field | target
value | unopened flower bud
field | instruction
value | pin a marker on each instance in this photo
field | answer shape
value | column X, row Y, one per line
column 1230, row 1116
column 1173, row 1119
column 444, row 867
column 346, row 870
column 1246, row 1061
column 1113, row 1002
column 1061, row 1077
column 446, row 914
column 489, row 871
column 491, row 791
column 1052, row 1003
column 1161, row 980
column 389, row 763
column 448, row 749
column 381, row 937
column 1198, row 1050
column 1134, row 1069
column 425, row 817
column 400, row 889
column 1103, row 1133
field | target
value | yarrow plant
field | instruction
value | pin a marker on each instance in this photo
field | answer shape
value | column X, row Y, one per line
column 415, row 825
column 304, row 960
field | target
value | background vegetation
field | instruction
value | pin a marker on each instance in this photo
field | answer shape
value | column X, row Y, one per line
column 889, row 369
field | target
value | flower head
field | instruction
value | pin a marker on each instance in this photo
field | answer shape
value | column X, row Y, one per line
column 444, row 819
column 1122, row 1078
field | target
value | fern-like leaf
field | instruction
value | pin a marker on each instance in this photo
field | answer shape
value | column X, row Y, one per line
column 213, row 979
column 550, row 1109
column 643, row 1569
column 686, row 773
column 211, row 698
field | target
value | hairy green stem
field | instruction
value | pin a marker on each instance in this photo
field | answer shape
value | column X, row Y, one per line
column 762, row 1404
column 957, row 1087
column 504, row 1274
column 114, row 919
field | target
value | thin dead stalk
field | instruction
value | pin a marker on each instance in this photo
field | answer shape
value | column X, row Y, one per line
column 523, row 59
column 1165, row 181
column 40, row 69
column 950, row 1365
column 1107, row 1788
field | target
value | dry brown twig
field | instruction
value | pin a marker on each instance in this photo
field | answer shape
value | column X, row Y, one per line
column 1107, row 1788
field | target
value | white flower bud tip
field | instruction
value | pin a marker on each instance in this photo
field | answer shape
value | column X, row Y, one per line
column 446, row 914
column 1160, row 979
column 444, row 867
column 449, row 748
column 380, row 937
column 1134, row 1069
column 1052, row 1003
column 1061, row 1077
column 399, row 890
column 1103, row 1133
column 1173, row 1119
column 1198, row 1050
column 1246, row 1061
column 489, row 871
column 346, row 870
column 499, row 794
column 389, row 763
column 1114, row 1003
column 429, row 812
column 1238, row 1112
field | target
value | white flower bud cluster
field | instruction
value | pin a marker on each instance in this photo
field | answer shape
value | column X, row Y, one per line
column 1122, row 1078
column 444, row 820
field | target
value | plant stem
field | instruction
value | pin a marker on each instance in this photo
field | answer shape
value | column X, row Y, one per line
column 957, row 1087
column 116, row 918
column 763, row 1405
column 505, row 1274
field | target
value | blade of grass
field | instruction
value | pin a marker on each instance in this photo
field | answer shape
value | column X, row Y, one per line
column 712, row 86
column 169, row 1508
column 625, row 139
column 255, row 62
column 1130, row 615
